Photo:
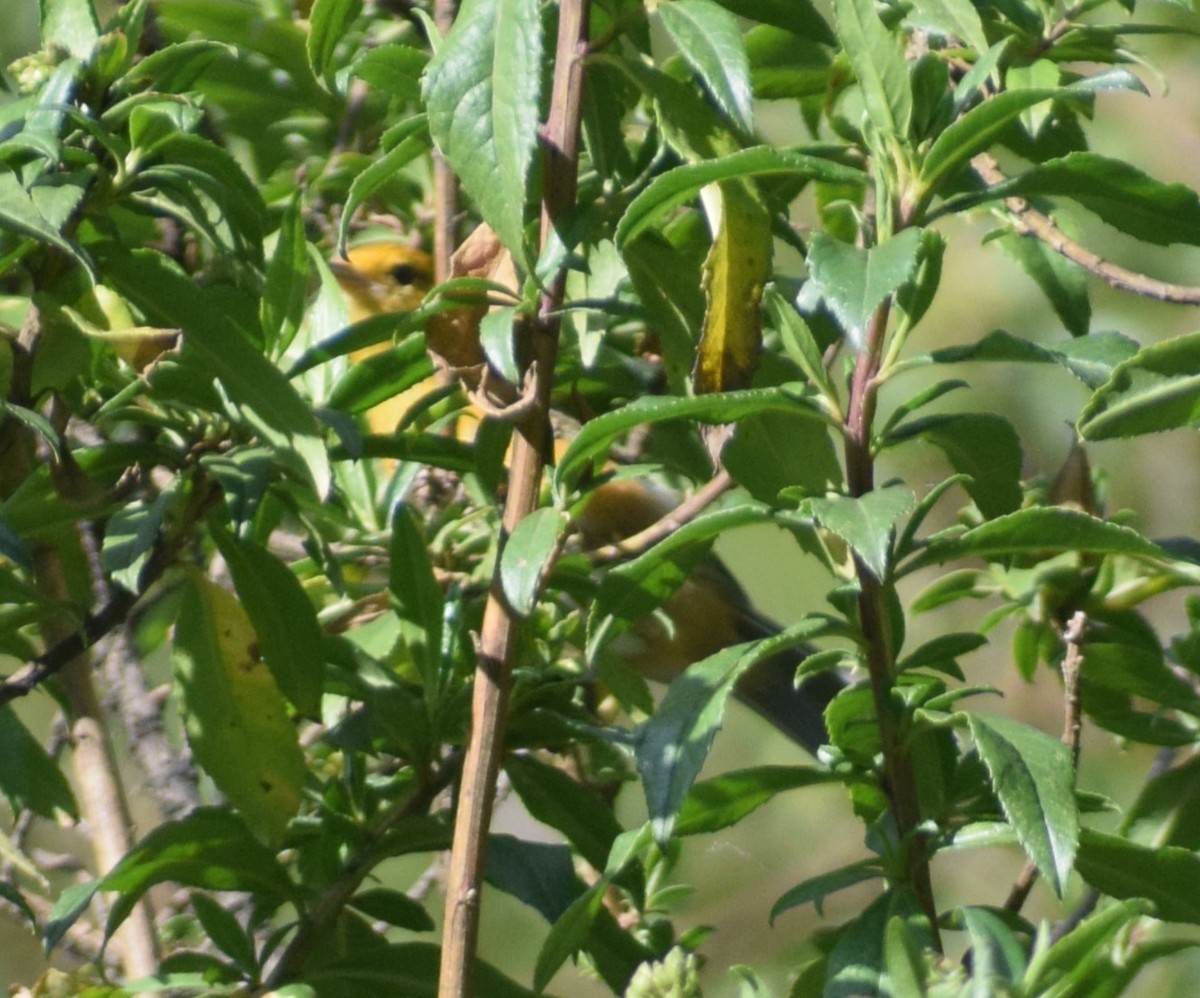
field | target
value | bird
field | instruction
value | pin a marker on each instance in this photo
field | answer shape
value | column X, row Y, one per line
column 708, row 613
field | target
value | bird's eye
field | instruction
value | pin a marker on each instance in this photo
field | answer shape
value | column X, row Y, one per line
column 405, row 273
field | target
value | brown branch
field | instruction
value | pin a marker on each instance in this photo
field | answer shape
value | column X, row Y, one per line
column 95, row 627
column 498, row 637
column 1028, row 221
column 686, row 511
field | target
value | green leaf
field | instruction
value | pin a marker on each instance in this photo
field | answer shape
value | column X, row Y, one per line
column 29, row 779
column 772, row 451
column 235, row 716
column 70, row 25
column 130, row 535
column 1156, row 389
column 408, row 969
column 1057, row 963
column 726, row 407
column 554, row 799
column 981, row 445
column 799, row 17
column 286, row 289
column 211, row 849
column 865, row 523
column 1118, row 192
column 710, row 41
column 669, row 289
column 683, row 183
column 1167, row 875
column 854, row 282
column 411, row 140
column 216, row 346
column 1064, row 283
column 539, row 874
column 1039, row 530
column 976, row 130
column 222, row 927
column 1140, row 672
column 997, row 952
column 393, row 907
column 672, row 745
column 419, row 598
column 877, row 58
column 175, row 68
column 283, row 617
column 942, row 649
column 528, row 556
column 798, row 340
column 327, row 23
column 902, row 957
column 1090, row 358
column 20, row 213
column 725, row 800
column 1034, row 780
column 481, row 92
column 953, row 18
column 395, row 68
column 857, row 963
column 569, row 934
column 817, row 888
column 1167, row 811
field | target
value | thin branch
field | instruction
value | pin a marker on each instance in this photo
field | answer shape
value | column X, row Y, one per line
column 682, row 514
column 1028, row 221
column 95, row 627
column 498, row 636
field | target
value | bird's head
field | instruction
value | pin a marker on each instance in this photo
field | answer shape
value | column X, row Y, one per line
column 379, row 277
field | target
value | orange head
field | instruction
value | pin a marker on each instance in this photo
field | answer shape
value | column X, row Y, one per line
column 388, row 276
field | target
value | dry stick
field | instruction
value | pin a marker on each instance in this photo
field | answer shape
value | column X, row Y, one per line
column 498, row 638
column 872, row 609
column 1028, row 221
column 681, row 515
column 1072, row 724
column 102, row 801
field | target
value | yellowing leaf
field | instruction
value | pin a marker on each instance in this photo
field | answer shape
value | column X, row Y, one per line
column 735, row 272
column 235, row 716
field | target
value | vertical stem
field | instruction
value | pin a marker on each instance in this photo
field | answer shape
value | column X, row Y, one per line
column 876, row 627
column 445, row 183
column 500, row 630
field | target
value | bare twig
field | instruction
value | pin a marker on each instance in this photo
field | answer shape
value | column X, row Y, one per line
column 498, row 637
column 687, row 510
column 1028, row 221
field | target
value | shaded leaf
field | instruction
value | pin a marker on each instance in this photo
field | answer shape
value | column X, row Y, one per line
column 1034, row 780
column 709, row 39
column 236, row 718
column 724, row 800
column 284, row 619
column 1168, row 876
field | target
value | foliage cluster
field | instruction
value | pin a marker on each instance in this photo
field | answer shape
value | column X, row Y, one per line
column 186, row 476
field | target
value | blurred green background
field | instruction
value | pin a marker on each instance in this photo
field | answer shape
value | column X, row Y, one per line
column 738, row 874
